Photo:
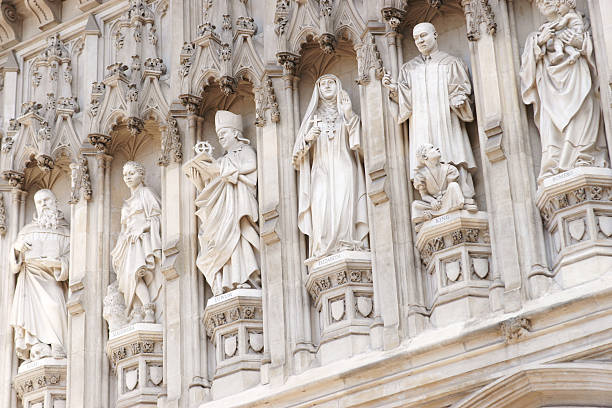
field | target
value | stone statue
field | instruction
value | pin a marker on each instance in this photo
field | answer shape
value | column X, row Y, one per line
column 561, row 85
column 137, row 254
column 433, row 93
column 437, row 184
column 228, row 209
column 40, row 256
column 331, row 184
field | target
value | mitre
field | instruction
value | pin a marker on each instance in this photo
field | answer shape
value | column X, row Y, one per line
column 227, row 119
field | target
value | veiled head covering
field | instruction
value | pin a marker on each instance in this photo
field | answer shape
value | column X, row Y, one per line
column 314, row 105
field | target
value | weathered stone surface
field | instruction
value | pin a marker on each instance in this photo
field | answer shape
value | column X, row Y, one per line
column 305, row 251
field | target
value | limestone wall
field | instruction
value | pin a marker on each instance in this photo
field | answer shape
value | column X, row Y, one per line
column 503, row 301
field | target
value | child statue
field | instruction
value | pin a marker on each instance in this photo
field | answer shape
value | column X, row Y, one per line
column 567, row 20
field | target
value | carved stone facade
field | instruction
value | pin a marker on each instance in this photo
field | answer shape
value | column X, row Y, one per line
column 292, row 203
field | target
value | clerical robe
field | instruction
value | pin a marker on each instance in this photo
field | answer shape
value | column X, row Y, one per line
column 228, row 210
column 425, row 88
column 38, row 313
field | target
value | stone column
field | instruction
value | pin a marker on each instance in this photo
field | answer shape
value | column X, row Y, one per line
column 269, row 139
column 377, row 138
column 507, row 163
column 8, row 359
column 77, row 302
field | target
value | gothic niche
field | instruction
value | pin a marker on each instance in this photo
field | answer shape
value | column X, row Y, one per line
column 325, row 61
column 226, row 92
column 432, row 93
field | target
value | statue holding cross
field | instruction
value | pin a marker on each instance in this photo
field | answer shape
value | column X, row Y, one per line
column 327, row 155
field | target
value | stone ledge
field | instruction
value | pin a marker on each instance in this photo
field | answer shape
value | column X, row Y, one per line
column 408, row 369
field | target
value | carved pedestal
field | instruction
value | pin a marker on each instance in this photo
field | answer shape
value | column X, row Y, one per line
column 576, row 207
column 42, row 383
column 455, row 250
column 136, row 354
column 234, row 322
column 341, row 289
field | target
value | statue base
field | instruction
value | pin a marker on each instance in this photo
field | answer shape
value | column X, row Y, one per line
column 42, row 383
column 576, row 208
column 455, row 250
column 234, row 322
column 136, row 355
column 341, row 288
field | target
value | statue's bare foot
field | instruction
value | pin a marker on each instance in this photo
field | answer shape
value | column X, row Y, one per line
column 137, row 314
column 58, row 352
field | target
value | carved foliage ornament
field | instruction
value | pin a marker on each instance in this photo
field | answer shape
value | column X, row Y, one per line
column 265, row 99
column 478, row 12
column 369, row 58
column 171, row 145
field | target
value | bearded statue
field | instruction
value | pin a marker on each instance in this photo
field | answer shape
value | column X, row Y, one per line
column 40, row 258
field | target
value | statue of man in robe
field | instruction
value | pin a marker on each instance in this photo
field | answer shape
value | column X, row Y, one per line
column 228, row 209
column 40, row 257
column 433, row 94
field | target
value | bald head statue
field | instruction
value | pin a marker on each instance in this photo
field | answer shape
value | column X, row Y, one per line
column 425, row 38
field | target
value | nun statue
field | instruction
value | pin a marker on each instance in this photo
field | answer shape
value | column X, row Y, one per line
column 331, row 185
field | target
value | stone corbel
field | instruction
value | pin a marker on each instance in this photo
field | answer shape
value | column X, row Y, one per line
column 494, row 132
column 100, row 141
column 269, row 227
column 10, row 25
column 14, row 178
column 289, row 61
column 514, row 328
column 394, row 14
column 47, row 12
column 170, row 252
